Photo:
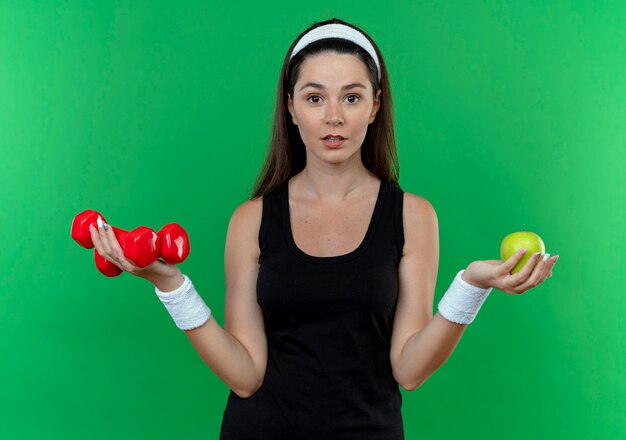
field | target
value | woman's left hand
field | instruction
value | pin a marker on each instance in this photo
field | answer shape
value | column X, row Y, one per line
column 497, row 273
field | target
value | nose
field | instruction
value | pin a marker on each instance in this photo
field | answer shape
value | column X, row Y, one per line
column 334, row 115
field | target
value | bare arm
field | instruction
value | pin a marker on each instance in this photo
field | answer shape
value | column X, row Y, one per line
column 421, row 343
column 237, row 353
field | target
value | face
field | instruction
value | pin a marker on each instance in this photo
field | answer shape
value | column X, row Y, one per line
column 333, row 96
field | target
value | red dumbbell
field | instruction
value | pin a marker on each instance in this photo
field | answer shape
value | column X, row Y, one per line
column 141, row 246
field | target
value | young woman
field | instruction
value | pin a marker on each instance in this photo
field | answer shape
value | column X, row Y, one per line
column 330, row 267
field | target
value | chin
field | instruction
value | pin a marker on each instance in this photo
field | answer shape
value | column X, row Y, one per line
column 339, row 156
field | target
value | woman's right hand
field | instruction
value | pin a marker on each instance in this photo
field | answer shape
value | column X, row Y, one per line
column 166, row 277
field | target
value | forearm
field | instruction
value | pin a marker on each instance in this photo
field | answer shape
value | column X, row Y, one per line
column 220, row 350
column 426, row 351
column 226, row 357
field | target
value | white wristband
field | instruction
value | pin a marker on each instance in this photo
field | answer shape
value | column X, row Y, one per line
column 462, row 301
column 186, row 307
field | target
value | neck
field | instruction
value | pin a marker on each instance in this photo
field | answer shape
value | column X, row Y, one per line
column 333, row 183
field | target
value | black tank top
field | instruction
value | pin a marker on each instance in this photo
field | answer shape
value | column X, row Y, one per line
column 328, row 322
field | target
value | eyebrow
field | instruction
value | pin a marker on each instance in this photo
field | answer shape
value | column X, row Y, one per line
column 321, row 87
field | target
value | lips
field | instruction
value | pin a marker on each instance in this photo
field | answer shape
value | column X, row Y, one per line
column 333, row 142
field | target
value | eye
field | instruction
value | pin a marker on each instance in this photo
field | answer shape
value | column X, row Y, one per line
column 353, row 99
column 314, row 99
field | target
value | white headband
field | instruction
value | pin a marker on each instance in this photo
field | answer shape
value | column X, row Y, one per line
column 336, row 30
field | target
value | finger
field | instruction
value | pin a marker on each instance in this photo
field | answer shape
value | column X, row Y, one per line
column 547, row 268
column 539, row 272
column 121, row 259
column 116, row 255
column 550, row 265
column 99, row 240
column 105, row 246
column 116, row 236
column 95, row 239
column 524, row 274
column 116, row 250
column 544, row 268
column 510, row 263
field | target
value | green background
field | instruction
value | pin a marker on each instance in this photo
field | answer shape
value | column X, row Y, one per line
column 510, row 115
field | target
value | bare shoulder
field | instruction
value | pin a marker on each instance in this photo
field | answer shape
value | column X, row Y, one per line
column 420, row 220
column 417, row 209
column 245, row 222
column 248, row 214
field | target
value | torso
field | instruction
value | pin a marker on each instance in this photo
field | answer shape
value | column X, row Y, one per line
column 326, row 229
column 328, row 311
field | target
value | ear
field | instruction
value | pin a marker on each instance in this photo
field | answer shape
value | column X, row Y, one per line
column 376, row 107
column 290, row 108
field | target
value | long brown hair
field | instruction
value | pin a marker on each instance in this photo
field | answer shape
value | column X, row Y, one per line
column 286, row 156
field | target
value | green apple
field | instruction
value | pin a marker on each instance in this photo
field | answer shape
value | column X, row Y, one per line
column 521, row 240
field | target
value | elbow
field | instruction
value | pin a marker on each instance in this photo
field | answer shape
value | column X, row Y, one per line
column 244, row 393
column 247, row 391
column 411, row 379
column 411, row 385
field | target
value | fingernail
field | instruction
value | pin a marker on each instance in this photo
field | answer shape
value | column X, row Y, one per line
column 106, row 226
column 545, row 257
column 99, row 221
column 537, row 255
